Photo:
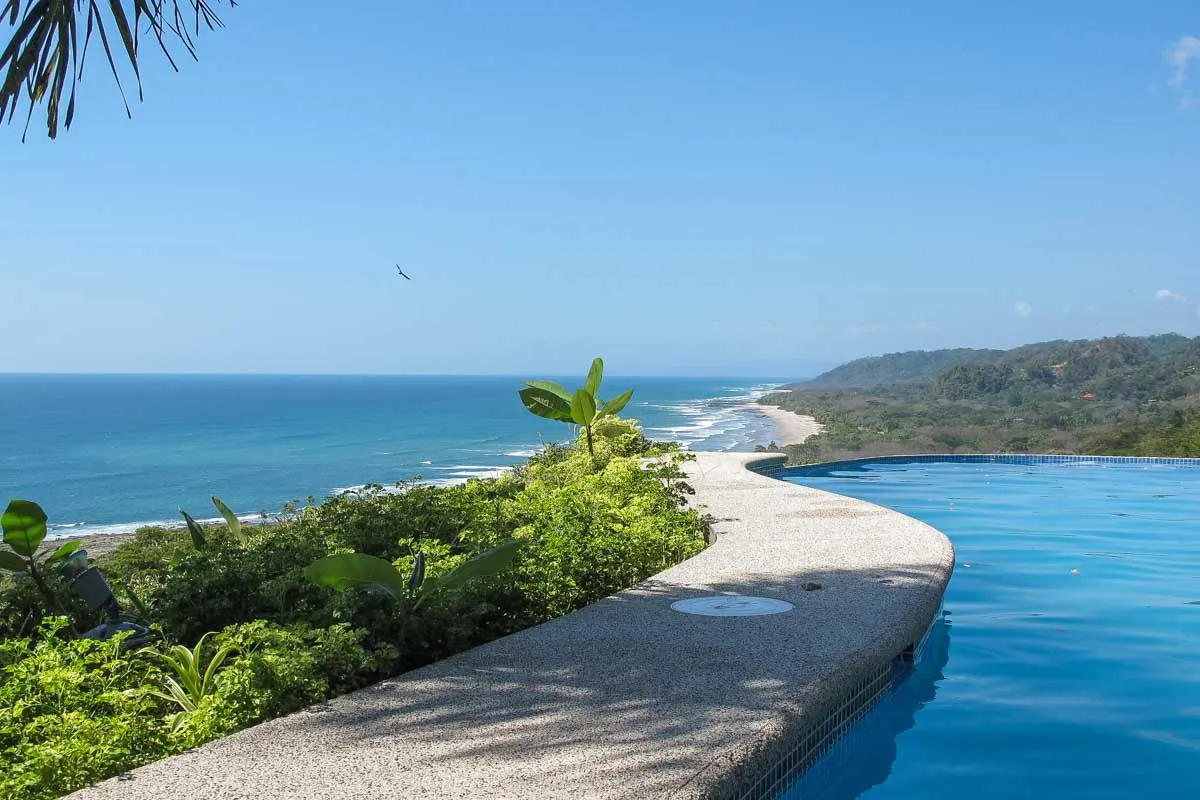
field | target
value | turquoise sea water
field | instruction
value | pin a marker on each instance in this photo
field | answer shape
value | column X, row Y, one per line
column 1067, row 663
column 106, row 453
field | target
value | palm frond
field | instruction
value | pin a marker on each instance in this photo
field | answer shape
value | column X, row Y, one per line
column 45, row 51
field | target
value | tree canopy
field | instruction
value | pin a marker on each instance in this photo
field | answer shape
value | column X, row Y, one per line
column 1120, row 395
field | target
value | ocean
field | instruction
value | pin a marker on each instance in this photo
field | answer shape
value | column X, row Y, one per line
column 110, row 453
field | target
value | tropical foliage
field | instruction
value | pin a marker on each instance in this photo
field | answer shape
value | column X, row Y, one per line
column 46, row 55
column 583, row 407
column 194, row 678
column 261, row 620
column 72, row 711
column 24, row 526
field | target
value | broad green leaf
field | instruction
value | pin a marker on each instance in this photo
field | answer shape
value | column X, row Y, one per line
column 583, row 408
column 551, row 387
column 12, row 562
column 198, row 540
column 235, row 524
column 65, row 549
column 595, row 375
column 24, row 524
column 418, row 573
column 484, row 565
column 357, row 570
column 546, row 404
column 619, row 402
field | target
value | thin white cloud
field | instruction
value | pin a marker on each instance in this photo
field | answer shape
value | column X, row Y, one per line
column 1023, row 309
column 926, row 326
column 1167, row 294
column 1179, row 56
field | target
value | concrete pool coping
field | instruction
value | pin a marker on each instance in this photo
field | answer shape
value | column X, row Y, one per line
column 625, row 698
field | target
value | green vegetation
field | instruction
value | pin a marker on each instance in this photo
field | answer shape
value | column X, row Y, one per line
column 917, row 366
column 262, row 620
column 1175, row 436
column 73, row 711
column 583, row 407
column 50, row 39
column 345, row 571
column 193, row 681
column 24, row 526
column 1119, row 395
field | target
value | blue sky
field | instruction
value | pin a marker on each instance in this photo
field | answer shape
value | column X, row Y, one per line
column 688, row 187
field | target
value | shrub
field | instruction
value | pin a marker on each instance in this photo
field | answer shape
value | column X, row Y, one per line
column 377, row 522
column 278, row 670
column 591, row 534
column 149, row 552
column 189, row 592
column 76, row 711
column 593, row 524
column 589, row 524
column 73, row 712
column 23, row 606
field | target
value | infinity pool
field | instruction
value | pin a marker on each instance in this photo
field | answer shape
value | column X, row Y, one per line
column 1067, row 661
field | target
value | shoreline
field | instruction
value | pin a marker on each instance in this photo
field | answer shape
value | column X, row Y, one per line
column 100, row 544
column 792, row 428
column 556, row 715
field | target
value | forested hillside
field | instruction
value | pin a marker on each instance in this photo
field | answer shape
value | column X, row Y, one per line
column 895, row 368
column 1119, row 395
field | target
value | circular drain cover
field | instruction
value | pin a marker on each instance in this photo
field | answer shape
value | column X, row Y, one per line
column 731, row 605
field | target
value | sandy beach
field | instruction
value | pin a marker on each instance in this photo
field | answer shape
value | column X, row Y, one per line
column 98, row 544
column 793, row 428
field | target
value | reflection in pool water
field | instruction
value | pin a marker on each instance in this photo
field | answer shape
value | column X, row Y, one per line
column 863, row 758
column 1075, row 612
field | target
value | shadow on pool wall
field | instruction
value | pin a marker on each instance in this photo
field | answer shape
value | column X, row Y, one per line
column 865, row 756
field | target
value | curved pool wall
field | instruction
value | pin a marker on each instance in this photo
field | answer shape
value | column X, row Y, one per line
column 781, row 470
column 627, row 698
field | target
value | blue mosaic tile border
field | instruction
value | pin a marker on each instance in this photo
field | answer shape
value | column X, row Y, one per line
column 807, row 749
column 769, row 465
column 822, row 771
column 773, row 469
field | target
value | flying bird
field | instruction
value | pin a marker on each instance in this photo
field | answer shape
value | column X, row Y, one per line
column 402, row 275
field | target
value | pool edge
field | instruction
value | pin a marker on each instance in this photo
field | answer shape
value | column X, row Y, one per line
column 779, row 752
column 624, row 698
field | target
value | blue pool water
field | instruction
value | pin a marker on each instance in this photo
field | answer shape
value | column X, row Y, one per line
column 1067, row 661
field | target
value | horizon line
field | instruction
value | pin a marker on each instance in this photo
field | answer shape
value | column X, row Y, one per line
column 164, row 374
